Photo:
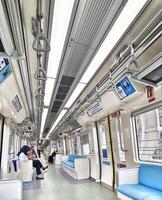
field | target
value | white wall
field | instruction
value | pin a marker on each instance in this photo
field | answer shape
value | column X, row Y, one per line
column 5, row 148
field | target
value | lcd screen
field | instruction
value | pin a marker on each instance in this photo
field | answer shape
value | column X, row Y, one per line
column 124, row 88
column 5, row 69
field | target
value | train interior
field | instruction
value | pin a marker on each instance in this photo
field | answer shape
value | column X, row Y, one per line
column 82, row 79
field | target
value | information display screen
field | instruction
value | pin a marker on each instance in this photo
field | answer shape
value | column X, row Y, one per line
column 124, row 88
column 5, row 69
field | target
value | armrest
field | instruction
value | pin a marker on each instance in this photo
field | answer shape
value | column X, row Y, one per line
column 81, row 164
column 127, row 176
column 65, row 157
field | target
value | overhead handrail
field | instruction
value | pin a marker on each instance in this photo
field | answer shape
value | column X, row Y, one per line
column 97, row 95
column 40, row 43
column 39, row 91
column 132, row 60
column 40, row 74
column 14, row 55
column 110, row 86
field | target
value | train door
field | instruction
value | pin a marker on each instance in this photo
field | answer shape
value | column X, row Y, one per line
column 105, row 153
column 117, row 137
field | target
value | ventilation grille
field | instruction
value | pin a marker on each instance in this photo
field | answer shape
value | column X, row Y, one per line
column 16, row 103
column 63, row 89
column 92, row 18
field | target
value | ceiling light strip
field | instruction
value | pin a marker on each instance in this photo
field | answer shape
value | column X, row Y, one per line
column 128, row 14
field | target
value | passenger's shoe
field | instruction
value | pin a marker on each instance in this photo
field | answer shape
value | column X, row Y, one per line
column 44, row 168
column 39, row 177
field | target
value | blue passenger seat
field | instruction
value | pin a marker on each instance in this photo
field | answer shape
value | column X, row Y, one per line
column 70, row 162
column 149, row 185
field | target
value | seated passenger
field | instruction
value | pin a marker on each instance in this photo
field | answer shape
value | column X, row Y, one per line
column 25, row 153
column 34, row 153
column 54, row 153
column 50, row 157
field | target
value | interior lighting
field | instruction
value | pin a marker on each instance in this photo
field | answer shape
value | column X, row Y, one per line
column 45, row 110
column 126, row 17
column 62, row 113
column 75, row 94
column 61, row 19
column 48, row 90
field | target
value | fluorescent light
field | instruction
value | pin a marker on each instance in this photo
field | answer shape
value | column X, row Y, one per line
column 61, row 19
column 45, row 110
column 126, row 17
column 48, row 90
column 62, row 113
column 75, row 94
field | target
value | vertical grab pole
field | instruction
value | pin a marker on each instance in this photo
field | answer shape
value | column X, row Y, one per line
column 112, row 153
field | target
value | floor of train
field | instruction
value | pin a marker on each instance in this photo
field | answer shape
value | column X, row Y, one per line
column 58, row 185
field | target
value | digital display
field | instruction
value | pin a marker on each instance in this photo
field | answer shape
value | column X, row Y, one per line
column 124, row 88
column 5, row 69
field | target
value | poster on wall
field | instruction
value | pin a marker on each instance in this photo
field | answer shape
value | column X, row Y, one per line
column 5, row 69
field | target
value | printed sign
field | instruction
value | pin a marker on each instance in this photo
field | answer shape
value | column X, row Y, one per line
column 95, row 109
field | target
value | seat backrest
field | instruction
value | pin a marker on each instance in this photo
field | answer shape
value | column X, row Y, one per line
column 151, row 176
column 72, row 157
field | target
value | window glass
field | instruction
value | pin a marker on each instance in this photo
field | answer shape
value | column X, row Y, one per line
column 148, row 128
column 11, row 151
column 85, row 144
column 120, row 140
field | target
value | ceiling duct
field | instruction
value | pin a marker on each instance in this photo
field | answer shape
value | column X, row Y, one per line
column 89, row 26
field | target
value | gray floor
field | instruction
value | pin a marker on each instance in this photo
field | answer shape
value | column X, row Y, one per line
column 59, row 186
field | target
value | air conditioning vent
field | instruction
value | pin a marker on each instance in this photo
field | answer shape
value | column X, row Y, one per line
column 67, row 80
column 63, row 89
column 16, row 103
column 155, row 76
column 60, row 96
column 152, row 71
column 56, row 106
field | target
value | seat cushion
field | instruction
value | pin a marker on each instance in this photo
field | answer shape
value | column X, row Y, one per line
column 69, row 163
column 154, row 197
column 137, row 191
column 151, row 176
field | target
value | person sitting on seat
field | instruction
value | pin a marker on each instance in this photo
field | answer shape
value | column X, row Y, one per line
column 52, row 156
column 25, row 153
column 34, row 153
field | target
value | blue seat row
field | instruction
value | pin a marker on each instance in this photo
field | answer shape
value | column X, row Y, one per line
column 149, row 185
column 71, row 158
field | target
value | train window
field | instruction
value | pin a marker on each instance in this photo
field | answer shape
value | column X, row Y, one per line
column 75, row 145
column 120, row 141
column 85, row 144
column 148, row 126
column 11, row 151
